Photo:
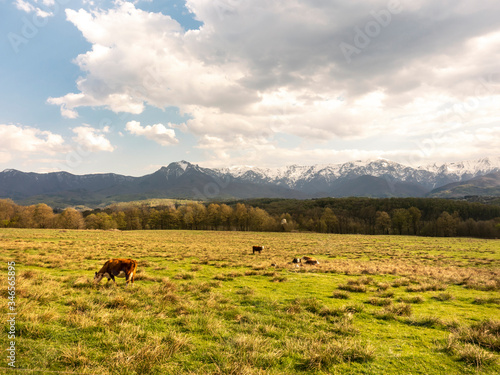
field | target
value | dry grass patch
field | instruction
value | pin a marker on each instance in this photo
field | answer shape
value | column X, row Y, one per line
column 469, row 353
column 339, row 294
column 377, row 301
column 320, row 356
column 355, row 288
column 485, row 333
column 443, row 297
column 74, row 356
column 487, row 300
column 411, row 299
column 425, row 321
column 425, row 287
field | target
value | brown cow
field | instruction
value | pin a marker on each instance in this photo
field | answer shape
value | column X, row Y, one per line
column 117, row 267
column 306, row 260
column 257, row 249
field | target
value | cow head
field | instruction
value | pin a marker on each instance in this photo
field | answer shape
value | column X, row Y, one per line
column 296, row 260
column 98, row 277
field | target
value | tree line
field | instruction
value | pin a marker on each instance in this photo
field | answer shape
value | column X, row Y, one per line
column 400, row 216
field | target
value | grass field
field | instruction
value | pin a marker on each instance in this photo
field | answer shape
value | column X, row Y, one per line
column 202, row 303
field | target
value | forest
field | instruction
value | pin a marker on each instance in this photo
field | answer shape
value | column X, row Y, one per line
column 399, row 216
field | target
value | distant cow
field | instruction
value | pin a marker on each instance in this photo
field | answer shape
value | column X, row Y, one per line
column 310, row 260
column 306, row 260
column 257, row 249
column 119, row 268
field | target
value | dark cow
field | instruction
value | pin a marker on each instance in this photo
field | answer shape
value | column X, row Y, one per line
column 309, row 260
column 117, row 267
column 305, row 260
column 257, row 249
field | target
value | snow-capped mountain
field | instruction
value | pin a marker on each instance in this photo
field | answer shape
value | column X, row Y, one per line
column 373, row 178
column 320, row 177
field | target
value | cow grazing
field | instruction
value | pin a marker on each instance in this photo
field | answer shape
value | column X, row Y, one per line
column 257, row 249
column 310, row 261
column 117, row 267
column 305, row 260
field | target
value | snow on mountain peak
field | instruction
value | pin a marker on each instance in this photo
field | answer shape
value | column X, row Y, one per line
column 430, row 175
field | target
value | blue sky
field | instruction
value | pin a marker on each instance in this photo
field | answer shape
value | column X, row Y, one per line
column 126, row 87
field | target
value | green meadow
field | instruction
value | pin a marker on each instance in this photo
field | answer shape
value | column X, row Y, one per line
column 202, row 303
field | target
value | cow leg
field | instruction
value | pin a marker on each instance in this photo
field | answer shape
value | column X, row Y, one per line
column 112, row 278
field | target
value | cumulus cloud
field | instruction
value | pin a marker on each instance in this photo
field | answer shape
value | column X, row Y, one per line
column 22, row 141
column 92, row 139
column 157, row 132
column 257, row 68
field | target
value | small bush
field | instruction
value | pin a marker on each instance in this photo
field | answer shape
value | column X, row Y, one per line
column 443, row 296
column 28, row 274
column 387, row 294
column 117, row 302
column 425, row 287
column 425, row 321
column 246, row 291
column 223, row 277
column 339, row 294
column 355, row 288
column 383, row 286
column 278, row 279
column 361, row 281
column 376, row 301
column 321, row 356
column 485, row 334
column 474, row 355
column 166, row 286
column 184, row 276
column 391, row 311
column 83, row 282
column 384, row 315
column 355, row 308
column 400, row 282
column 412, row 299
column 484, row 301
column 485, row 285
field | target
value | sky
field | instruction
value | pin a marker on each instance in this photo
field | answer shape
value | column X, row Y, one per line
column 94, row 86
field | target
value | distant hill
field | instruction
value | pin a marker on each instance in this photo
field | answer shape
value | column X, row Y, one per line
column 369, row 186
column 180, row 180
column 488, row 185
column 183, row 180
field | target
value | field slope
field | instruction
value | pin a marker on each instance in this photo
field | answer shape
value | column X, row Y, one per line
column 202, row 303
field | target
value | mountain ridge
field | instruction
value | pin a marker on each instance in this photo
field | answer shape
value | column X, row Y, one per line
column 372, row 178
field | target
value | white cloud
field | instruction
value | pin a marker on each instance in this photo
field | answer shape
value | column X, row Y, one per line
column 158, row 132
column 28, row 7
column 92, row 139
column 259, row 68
column 22, row 141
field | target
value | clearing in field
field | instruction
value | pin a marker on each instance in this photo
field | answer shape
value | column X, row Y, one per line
column 204, row 303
